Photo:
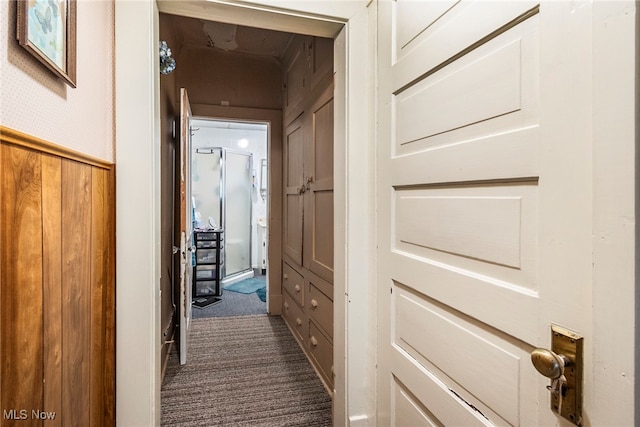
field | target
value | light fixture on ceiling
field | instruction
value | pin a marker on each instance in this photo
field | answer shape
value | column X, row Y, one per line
column 243, row 143
column 167, row 63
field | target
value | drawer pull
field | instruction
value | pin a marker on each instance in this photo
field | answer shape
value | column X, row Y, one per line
column 286, row 306
column 314, row 303
column 314, row 341
column 285, row 276
column 297, row 288
column 298, row 321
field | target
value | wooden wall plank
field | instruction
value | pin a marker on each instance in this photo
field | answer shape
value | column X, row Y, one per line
column 109, row 304
column 20, row 283
column 98, row 281
column 76, row 297
column 52, row 290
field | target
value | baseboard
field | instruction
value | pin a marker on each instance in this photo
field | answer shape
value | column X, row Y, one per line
column 237, row 278
column 275, row 305
column 358, row 421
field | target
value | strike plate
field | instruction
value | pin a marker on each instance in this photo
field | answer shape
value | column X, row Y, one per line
column 569, row 344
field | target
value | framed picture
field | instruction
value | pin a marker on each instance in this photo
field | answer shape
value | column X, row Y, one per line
column 47, row 29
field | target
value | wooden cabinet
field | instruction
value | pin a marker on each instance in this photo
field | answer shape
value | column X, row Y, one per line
column 307, row 271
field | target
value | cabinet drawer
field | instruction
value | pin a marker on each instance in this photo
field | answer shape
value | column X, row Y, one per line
column 206, row 256
column 204, row 244
column 320, row 309
column 206, row 235
column 295, row 317
column 293, row 283
column 207, row 287
column 321, row 349
column 205, row 272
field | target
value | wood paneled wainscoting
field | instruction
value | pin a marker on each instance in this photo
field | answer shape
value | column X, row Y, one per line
column 57, row 284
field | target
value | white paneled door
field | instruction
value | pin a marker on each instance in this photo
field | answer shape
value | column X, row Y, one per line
column 484, row 205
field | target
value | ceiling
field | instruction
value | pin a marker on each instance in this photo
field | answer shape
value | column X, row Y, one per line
column 228, row 37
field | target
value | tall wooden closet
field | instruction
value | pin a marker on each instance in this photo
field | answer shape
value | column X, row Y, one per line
column 307, row 270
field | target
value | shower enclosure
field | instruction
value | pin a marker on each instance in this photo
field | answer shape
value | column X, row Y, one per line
column 221, row 188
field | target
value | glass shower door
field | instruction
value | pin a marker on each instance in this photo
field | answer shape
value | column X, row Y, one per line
column 237, row 208
column 206, row 187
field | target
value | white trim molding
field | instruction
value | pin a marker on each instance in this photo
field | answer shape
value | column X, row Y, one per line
column 137, row 156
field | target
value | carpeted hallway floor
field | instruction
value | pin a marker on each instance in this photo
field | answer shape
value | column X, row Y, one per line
column 234, row 304
column 243, row 371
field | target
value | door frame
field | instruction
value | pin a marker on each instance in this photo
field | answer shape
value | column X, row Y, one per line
column 138, row 330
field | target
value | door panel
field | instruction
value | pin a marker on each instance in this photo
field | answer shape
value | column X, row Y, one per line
column 490, row 372
column 293, row 198
column 186, row 225
column 319, row 183
column 447, row 37
column 471, row 191
column 431, row 393
column 322, row 252
column 321, row 56
column 295, row 79
column 409, row 412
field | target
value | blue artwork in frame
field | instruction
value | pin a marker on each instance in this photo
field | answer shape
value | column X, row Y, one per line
column 47, row 29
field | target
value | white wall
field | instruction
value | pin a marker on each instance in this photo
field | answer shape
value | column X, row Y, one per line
column 35, row 101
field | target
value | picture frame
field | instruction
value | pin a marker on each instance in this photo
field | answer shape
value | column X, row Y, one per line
column 47, row 30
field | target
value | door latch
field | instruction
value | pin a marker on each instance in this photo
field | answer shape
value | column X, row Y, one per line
column 563, row 365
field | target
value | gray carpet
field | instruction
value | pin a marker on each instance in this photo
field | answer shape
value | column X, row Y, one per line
column 232, row 304
column 235, row 303
column 243, row 371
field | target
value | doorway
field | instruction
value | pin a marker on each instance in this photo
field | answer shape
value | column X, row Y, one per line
column 293, row 75
column 229, row 190
column 137, row 139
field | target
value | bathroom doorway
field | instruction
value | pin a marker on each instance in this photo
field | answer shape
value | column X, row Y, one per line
column 229, row 190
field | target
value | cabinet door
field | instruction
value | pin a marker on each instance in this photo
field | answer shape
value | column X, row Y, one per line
column 293, row 197
column 318, row 238
column 295, row 77
column 321, row 60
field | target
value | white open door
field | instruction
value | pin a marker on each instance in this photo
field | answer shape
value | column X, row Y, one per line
column 485, row 208
column 186, row 224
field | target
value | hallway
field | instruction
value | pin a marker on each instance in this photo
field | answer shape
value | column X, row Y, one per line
column 243, row 371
